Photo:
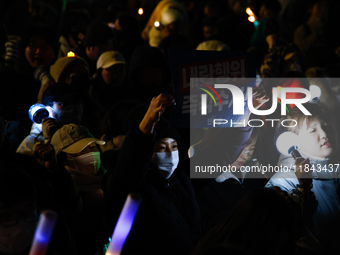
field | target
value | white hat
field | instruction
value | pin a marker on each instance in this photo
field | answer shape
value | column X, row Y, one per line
column 170, row 15
column 110, row 58
column 213, row 45
column 73, row 139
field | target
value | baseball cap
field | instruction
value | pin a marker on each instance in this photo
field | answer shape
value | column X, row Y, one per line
column 110, row 58
column 72, row 139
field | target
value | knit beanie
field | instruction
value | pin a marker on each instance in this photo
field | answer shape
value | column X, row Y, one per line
column 61, row 65
column 98, row 32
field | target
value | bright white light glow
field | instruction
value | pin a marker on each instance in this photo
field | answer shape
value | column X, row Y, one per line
column 124, row 225
column 285, row 141
column 251, row 18
column 140, row 11
column 315, row 91
column 156, row 24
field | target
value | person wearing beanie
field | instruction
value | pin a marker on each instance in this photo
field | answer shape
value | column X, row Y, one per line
column 99, row 38
column 149, row 164
column 109, row 83
column 169, row 17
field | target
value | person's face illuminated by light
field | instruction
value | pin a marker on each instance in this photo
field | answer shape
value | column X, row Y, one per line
column 39, row 52
column 317, row 138
column 245, row 155
column 166, row 145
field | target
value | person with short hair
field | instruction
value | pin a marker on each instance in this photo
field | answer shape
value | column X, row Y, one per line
column 149, row 163
column 318, row 172
column 109, row 84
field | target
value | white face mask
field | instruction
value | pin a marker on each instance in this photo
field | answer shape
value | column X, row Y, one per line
column 166, row 162
column 17, row 238
column 88, row 163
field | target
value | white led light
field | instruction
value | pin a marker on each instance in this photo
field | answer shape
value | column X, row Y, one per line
column 285, row 141
column 315, row 91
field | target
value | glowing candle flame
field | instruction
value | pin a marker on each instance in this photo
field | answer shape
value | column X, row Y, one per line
column 156, row 24
column 140, row 11
column 71, row 54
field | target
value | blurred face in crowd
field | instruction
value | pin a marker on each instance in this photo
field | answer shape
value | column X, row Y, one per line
column 93, row 52
column 208, row 31
column 317, row 138
column 151, row 77
column 67, row 112
column 39, row 52
column 320, row 10
column 245, row 155
column 114, row 75
column 17, row 226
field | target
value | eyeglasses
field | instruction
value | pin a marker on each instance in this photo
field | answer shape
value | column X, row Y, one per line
column 9, row 220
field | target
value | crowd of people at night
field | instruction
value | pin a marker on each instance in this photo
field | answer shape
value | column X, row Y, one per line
column 100, row 72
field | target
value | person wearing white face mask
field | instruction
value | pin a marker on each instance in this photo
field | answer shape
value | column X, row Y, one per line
column 149, row 163
column 76, row 149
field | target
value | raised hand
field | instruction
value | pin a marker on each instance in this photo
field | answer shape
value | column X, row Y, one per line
column 156, row 108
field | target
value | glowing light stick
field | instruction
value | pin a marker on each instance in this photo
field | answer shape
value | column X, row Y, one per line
column 43, row 232
column 140, row 11
column 38, row 112
column 287, row 144
column 315, row 92
column 124, row 224
column 71, row 54
column 157, row 24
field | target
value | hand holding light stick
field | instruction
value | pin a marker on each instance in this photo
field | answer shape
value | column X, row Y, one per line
column 124, row 224
column 43, row 232
column 288, row 143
